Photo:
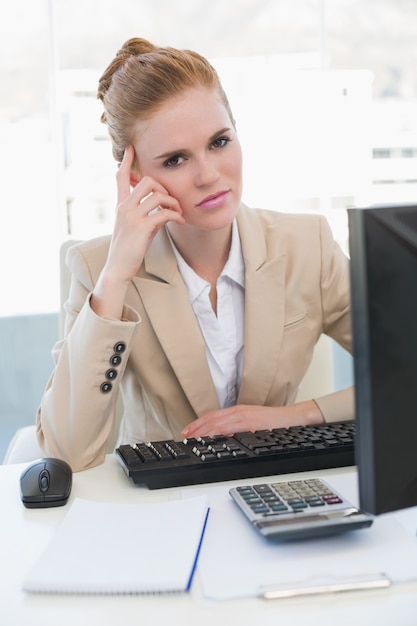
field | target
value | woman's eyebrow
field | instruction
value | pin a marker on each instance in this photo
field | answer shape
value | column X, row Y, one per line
column 171, row 153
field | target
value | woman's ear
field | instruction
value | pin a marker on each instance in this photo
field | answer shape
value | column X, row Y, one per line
column 135, row 176
column 134, row 179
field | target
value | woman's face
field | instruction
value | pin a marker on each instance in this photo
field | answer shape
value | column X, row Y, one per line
column 190, row 147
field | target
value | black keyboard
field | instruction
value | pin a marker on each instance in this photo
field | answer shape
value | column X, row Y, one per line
column 161, row 464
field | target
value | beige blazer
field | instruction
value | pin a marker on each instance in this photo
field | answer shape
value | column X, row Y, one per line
column 297, row 287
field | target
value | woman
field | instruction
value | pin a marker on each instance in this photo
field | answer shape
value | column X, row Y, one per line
column 202, row 312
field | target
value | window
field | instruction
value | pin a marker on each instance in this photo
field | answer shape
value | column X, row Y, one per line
column 331, row 92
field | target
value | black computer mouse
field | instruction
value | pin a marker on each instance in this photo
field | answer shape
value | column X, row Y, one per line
column 47, row 482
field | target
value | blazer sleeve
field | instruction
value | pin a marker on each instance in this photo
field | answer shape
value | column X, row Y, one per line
column 76, row 417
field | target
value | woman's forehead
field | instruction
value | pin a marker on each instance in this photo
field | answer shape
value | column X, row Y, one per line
column 195, row 113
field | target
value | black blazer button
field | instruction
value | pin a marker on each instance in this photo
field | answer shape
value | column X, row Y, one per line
column 106, row 387
column 115, row 359
column 119, row 347
column 111, row 374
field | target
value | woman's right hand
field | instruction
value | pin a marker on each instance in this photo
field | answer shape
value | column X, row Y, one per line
column 135, row 227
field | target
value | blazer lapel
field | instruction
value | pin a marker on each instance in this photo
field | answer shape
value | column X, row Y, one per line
column 264, row 311
column 165, row 299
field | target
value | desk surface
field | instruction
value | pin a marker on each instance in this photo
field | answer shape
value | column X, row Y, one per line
column 24, row 533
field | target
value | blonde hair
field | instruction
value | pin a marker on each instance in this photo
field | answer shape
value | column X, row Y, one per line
column 141, row 78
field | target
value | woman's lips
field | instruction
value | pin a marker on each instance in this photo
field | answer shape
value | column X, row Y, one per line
column 214, row 200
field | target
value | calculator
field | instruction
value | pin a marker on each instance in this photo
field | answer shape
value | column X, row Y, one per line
column 298, row 509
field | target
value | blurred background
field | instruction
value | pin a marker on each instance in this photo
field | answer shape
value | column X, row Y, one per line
column 324, row 94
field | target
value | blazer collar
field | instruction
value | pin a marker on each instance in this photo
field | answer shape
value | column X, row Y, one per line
column 165, row 299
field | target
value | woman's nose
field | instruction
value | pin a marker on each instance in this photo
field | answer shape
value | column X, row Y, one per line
column 205, row 172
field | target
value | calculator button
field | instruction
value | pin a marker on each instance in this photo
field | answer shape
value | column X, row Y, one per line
column 262, row 489
column 332, row 499
column 298, row 505
column 315, row 501
column 279, row 507
column 262, row 508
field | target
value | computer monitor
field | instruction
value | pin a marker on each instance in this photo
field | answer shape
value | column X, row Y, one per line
column 383, row 251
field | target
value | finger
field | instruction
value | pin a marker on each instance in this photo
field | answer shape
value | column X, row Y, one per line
column 204, row 425
column 163, row 216
column 158, row 200
column 123, row 174
column 191, row 430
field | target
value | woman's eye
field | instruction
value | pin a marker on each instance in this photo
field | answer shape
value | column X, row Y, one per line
column 220, row 142
column 174, row 161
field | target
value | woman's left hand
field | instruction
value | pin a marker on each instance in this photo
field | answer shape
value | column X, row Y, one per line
column 246, row 417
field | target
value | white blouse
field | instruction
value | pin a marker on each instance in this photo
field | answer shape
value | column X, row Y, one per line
column 223, row 334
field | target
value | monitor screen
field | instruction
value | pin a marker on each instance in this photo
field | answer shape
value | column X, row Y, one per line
column 383, row 251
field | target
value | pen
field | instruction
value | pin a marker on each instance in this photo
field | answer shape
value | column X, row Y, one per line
column 324, row 585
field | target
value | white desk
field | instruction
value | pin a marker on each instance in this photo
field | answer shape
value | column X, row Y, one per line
column 25, row 532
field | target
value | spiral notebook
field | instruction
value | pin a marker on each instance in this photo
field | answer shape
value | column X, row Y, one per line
column 113, row 548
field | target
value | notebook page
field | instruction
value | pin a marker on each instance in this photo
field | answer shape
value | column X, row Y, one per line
column 114, row 548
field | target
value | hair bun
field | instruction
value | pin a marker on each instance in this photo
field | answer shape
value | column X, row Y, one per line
column 135, row 47
column 131, row 48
